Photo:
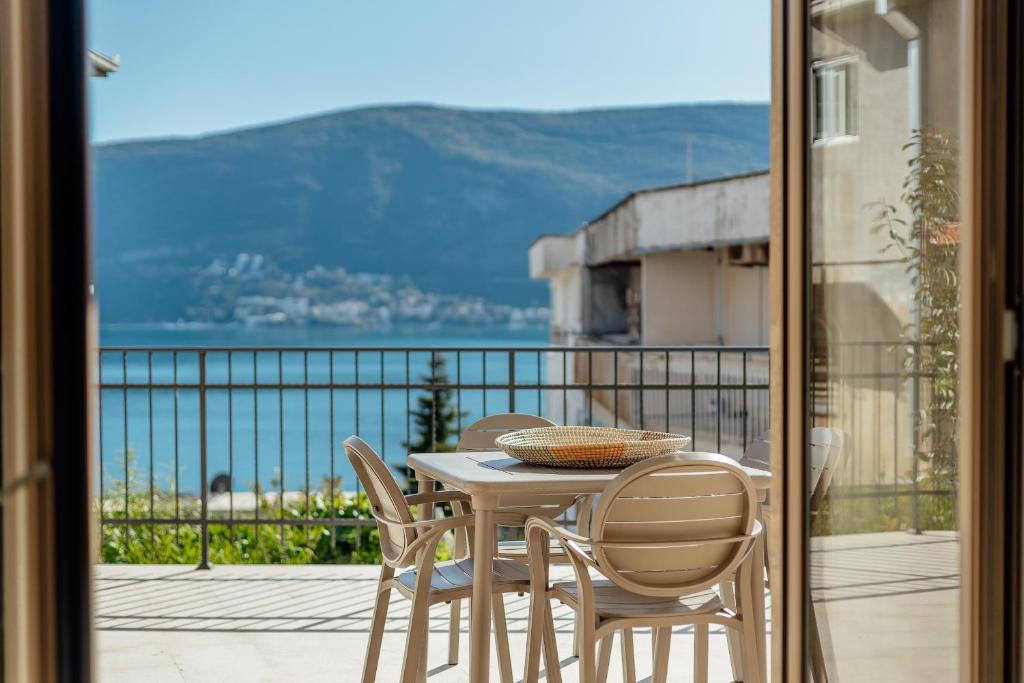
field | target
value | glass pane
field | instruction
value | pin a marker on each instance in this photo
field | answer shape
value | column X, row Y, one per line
column 884, row 209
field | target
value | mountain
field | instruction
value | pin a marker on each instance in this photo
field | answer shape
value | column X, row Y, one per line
column 450, row 198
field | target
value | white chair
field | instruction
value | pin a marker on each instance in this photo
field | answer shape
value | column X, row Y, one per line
column 665, row 532
column 411, row 545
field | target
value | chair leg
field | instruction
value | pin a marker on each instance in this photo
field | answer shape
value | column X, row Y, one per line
column 749, row 629
column 750, row 649
column 576, row 634
column 422, row 673
column 819, row 672
column 733, row 638
column 700, row 653
column 604, row 657
column 662, row 643
column 628, row 656
column 552, row 666
column 501, row 637
column 380, row 615
column 414, row 664
column 454, row 628
column 587, row 643
column 455, row 618
column 536, row 632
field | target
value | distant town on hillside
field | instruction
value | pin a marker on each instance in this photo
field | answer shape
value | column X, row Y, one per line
column 252, row 290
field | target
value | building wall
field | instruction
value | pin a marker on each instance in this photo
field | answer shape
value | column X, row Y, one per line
column 678, row 304
column 746, row 299
column 566, row 288
column 613, row 236
column 697, row 297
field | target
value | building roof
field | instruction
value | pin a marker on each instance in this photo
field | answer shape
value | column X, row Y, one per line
column 649, row 190
column 686, row 216
column 671, row 188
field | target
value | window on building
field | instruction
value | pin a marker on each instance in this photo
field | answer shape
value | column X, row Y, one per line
column 834, row 98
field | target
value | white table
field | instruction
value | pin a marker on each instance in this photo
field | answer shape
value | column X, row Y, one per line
column 486, row 477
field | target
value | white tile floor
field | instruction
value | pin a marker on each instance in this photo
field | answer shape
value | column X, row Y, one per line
column 889, row 602
column 272, row 623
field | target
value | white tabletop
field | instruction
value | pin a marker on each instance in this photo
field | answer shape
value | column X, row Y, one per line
column 493, row 473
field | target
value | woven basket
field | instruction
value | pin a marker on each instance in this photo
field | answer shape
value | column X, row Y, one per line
column 588, row 446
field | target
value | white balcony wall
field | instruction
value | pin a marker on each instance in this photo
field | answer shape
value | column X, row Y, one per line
column 746, row 298
column 566, row 288
column 551, row 254
column 727, row 211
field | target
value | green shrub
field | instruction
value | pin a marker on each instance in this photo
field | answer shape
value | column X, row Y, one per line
column 274, row 541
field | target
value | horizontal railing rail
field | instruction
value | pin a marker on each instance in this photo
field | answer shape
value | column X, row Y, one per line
column 237, row 436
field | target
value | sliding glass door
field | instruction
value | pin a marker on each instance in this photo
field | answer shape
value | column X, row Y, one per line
column 882, row 318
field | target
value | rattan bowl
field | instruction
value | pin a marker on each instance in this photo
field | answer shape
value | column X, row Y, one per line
column 588, row 446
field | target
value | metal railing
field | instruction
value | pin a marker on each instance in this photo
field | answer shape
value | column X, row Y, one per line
column 174, row 421
column 875, row 392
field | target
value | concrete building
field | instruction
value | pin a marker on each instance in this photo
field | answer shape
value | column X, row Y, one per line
column 679, row 265
column 685, row 264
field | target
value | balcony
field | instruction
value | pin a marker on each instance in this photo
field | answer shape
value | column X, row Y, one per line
column 227, row 457
column 210, row 456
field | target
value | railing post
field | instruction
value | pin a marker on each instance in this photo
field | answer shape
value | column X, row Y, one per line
column 915, row 386
column 204, row 561
column 511, row 381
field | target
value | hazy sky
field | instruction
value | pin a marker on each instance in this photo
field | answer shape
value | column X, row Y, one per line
column 193, row 66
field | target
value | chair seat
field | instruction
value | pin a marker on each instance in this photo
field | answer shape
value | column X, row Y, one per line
column 516, row 550
column 453, row 579
column 613, row 601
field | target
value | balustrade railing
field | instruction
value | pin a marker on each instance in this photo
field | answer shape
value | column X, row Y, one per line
column 251, row 437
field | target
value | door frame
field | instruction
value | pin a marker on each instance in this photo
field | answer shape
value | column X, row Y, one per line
column 787, row 335
column 45, row 339
column 990, row 473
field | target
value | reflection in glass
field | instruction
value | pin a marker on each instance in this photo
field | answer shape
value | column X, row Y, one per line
column 884, row 207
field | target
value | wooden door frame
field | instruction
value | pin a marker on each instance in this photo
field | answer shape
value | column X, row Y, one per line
column 45, row 425
column 786, row 334
column 989, row 468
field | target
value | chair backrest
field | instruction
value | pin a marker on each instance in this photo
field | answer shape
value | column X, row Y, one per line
column 389, row 506
column 675, row 524
column 480, row 436
column 836, row 457
column 758, row 453
column 821, row 444
column 826, row 453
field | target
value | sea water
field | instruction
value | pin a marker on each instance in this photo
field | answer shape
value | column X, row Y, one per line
column 285, row 437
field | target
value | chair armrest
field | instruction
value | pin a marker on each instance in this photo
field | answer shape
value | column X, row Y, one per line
column 536, row 521
column 574, row 544
column 429, row 531
column 456, row 521
column 538, row 531
column 445, row 496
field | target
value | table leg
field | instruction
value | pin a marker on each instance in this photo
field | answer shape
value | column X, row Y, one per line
column 480, row 633
column 425, row 485
column 426, row 511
